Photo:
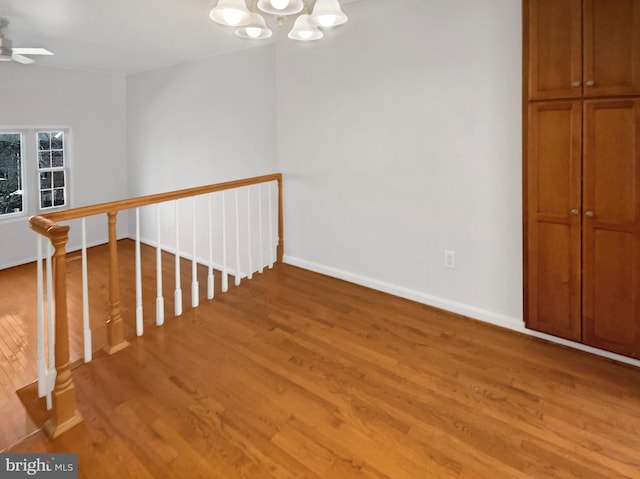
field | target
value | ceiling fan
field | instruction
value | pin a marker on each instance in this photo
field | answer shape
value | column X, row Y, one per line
column 7, row 53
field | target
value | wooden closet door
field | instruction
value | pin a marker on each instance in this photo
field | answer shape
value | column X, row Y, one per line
column 555, row 48
column 611, row 226
column 611, row 47
column 553, row 189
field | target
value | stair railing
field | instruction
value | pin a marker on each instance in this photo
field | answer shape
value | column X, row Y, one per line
column 55, row 381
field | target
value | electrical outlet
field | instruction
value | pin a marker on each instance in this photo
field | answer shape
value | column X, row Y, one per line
column 449, row 259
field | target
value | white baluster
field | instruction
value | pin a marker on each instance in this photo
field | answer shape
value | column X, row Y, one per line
column 260, row 246
column 225, row 278
column 210, row 280
column 42, row 365
column 85, row 296
column 237, row 276
column 250, row 273
column 195, row 286
column 138, row 260
column 51, row 337
column 177, row 296
column 159, row 297
column 271, row 255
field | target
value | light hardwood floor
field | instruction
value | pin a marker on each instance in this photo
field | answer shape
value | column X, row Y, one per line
column 296, row 375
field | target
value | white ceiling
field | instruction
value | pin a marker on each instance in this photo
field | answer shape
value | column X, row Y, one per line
column 120, row 36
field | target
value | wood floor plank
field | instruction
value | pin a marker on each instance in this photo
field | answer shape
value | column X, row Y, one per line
column 296, row 375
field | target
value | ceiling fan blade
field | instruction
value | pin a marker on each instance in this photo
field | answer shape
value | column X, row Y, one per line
column 31, row 51
column 21, row 59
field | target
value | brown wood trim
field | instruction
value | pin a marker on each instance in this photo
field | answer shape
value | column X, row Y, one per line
column 280, row 249
column 525, row 147
column 120, row 205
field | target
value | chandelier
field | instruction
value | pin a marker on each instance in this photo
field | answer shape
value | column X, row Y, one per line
column 252, row 25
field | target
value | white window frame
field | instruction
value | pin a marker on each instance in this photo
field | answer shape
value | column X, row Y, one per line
column 23, row 175
column 31, row 171
column 52, row 169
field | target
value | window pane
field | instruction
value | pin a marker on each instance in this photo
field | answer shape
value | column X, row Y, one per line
column 44, row 142
column 51, row 162
column 45, row 199
column 10, row 173
column 58, row 179
column 57, row 138
column 57, row 159
column 58, row 197
column 44, row 159
column 45, row 180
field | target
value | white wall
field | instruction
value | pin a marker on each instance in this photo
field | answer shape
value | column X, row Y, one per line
column 92, row 105
column 399, row 135
column 202, row 122
column 197, row 124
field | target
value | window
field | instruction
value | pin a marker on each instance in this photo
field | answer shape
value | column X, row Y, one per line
column 34, row 171
column 51, row 169
column 11, row 173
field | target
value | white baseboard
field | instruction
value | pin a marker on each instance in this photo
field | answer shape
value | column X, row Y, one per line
column 467, row 310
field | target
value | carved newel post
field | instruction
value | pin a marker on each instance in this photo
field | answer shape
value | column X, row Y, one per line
column 64, row 414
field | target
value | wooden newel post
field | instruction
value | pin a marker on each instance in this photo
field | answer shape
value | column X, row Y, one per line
column 280, row 249
column 64, row 415
column 115, row 329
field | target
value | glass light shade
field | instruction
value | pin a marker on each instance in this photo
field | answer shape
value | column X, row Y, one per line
column 327, row 14
column 305, row 31
column 256, row 29
column 230, row 12
column 279, row 4
column 273, row 7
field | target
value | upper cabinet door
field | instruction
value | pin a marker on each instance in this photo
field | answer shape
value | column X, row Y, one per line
column 555, row 48
column 611, row 47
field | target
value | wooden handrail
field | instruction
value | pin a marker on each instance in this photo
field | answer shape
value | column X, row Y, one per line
column 44, row 226
column 120, row 205
column 64, row 414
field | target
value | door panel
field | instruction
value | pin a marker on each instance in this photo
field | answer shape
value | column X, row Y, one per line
column 553, row 230
column 611, row 235
column 555, row 49
column 611, row 47
column 553, row 300
column 613, row 307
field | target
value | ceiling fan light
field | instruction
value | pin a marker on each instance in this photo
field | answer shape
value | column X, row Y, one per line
column 305, row 31
column 256, row 29
column 230, row 12
column 327, row 14
column 281, row 7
